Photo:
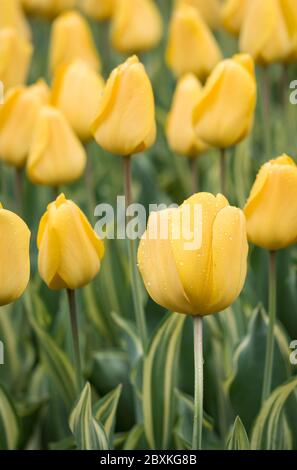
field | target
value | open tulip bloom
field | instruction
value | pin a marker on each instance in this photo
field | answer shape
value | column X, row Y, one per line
column 190, row 275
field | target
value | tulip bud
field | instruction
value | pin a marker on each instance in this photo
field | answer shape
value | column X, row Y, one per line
column 271, row 209
column 125, row 122
column 191, row 278
column 98, row 9
column 48, row 8
column 180, row 132
column 70, row 251
column 14, row 256
column 136, row 25
column 15, row 57
column 18, row 117
column 191, row 46
column 71, row 38
column 233, row 13
column 77, row 91
column 56, row 155
column 12, row 16
column 208, row 9
column 265, row 32
column 224, row 115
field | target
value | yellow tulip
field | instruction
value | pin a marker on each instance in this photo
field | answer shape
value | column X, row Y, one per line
column 191, row 46
column 233, row 13
column 70, row 251
column 77, row 91
column 125, row 122
column 71, row 38
column 15, row 57
column 271, row 209
column 208, row 9
column 265, row 32
column 98, row 9
column 12, row 16
column 224, row 115
column 17, row 118
column 14, row 256
column 48, row 8
column 56, row 155
column 290, row 15
column 200, row 279
column 180, row 132
column 136, row 25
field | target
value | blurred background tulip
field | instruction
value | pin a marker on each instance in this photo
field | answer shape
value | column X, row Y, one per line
column 271, row 209
column 125, row 122
column 77, row 91
column 97, row 9
column 70, row 252
column 71, row 38
column 188, row 32
column 56, row 155
column 18, row 117
column 14, row 256
column 15, row 57
column 47, row 8
column 174, row 274
column 209, row 10
column 12, row 16
column 136, row 25
column 232, row 15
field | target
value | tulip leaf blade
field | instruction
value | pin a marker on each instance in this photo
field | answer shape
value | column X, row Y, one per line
column 238, row 439
column 159, row 372
column 9, row 424
column 89, row 433
column 105, row 410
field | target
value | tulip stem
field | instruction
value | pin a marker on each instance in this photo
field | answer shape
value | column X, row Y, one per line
column 198, row 397
column 75, row 337
column 270, row 337
column 135, row 280
column 194, row 164
column 266, row 108
column 223, row 170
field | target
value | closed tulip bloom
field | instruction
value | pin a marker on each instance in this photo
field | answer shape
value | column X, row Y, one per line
column 71, row 38
column 191, row 46
column 224, row 114
column 136, row 25
column 290, row 14
column 233, row 13
column 125, row 122
column 14, row 256
column 271, row 209
column 56, row 155
column 70, row 252
column 180, row 132
column 98, row 9
column 192, row 279
column 48, row 8
column 11, row 15
column 17, row 118
column 265, row 33
column 208, row 9
column 77, row 91
column 15, row 57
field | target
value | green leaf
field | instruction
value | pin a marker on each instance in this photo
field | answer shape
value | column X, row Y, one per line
column 130, row 337
column 9, row 426
column 88, row 432
column 239, row 439
column 134, row 438
column 245, row 386
column 159, row 374
column 105, row 410
column 271, row 430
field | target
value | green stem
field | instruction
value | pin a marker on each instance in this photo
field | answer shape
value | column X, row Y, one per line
column 198, row 397
column 136, row 286
column 75, row 337
column 194, row 165
column 223, row 171
column 266, row 109
column 270, row 337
